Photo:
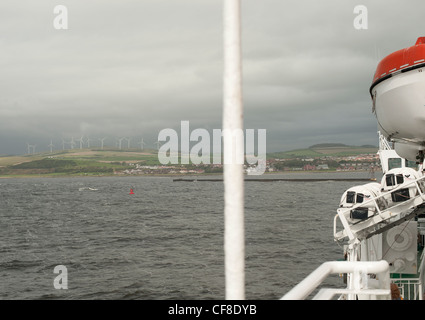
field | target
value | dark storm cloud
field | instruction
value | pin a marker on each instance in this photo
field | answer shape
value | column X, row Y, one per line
column 133, row 68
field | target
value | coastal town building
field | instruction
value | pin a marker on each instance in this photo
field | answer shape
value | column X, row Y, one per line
column 362, row 162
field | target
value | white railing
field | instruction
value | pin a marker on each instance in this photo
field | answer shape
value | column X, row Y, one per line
column 410, row 288
column 383, row 142
column 381, row 214
column 359, row 283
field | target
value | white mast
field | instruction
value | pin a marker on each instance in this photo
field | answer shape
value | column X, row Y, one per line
column 234, row 235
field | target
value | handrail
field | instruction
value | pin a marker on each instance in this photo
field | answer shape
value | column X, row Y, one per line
column 358, row 270
column 410, row 288
column 383, row 142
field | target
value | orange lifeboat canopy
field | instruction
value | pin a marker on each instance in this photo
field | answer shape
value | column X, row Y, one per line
column 401, row 60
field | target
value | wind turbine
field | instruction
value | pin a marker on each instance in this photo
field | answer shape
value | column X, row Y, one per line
column 128, row 142
column 51, row 146
column 63, row 144
column 158, row 144
column 88, row 142
column 102, row 139
column 72, row 143
column 29, row 146
column 81, row 142
column 142, row 143
column 119, row 142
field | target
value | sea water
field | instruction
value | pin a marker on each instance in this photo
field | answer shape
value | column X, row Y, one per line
column 165, row 241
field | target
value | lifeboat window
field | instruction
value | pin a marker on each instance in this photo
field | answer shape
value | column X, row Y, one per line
column 350, row 197
column 400, row 178
column 394, row 163
column 400, row 195
column 411, row 164
column 390, row 180
column 359, row 198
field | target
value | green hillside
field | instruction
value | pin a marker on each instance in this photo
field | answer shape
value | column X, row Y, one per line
column 96, row 162
column 325, row 149
column 76, row 162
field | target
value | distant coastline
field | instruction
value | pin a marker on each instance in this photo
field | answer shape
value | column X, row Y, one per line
column 322, row 158
column 185, row 176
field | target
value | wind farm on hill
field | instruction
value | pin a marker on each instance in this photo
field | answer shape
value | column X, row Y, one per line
column 87, row 142
column 76, row 158
column 106, row 161
column 83, row 156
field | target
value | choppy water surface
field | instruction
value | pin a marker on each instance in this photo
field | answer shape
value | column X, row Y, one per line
column 163, row 242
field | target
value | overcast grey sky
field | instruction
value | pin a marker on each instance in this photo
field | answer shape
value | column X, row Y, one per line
column 135, row 67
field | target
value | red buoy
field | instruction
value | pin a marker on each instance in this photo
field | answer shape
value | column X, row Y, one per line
column 131, row 191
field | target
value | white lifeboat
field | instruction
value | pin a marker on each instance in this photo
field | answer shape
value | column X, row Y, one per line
column 360, row 195
column 398, row 94
column 404, row 180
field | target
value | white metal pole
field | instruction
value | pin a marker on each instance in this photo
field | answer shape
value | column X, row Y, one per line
column 234, row 235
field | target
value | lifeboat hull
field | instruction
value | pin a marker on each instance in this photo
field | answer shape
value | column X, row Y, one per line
column 398, row 95
column 399, row 104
